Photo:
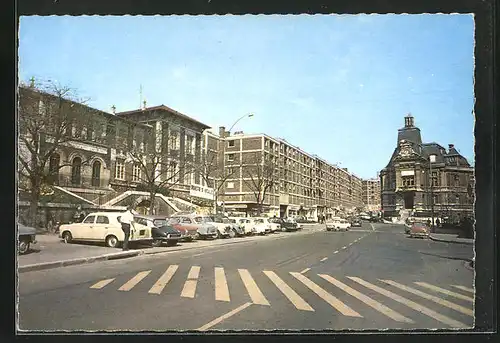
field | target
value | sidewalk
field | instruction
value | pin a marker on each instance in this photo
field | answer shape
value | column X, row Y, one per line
column 450, row 238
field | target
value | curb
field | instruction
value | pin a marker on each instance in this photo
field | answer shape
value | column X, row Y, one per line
column 76, row 261
column 448, row 241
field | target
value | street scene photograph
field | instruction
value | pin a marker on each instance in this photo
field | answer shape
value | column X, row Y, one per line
column 245, row 173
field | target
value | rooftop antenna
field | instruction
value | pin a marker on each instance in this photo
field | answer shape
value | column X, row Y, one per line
column 140, row 96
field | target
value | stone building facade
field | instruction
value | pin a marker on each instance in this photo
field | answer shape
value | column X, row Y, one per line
column 413, row 182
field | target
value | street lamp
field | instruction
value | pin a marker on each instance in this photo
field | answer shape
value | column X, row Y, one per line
column 432, row 159
column 249, row 115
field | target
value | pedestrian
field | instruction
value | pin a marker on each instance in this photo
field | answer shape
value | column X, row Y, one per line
column 79, row 215
column 438, row 222
column 126, row 220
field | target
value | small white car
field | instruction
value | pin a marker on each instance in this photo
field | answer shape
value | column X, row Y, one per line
column 273, row 225
column 259, row 226
column 335, row 224
column 104, row 227
column 246, row 224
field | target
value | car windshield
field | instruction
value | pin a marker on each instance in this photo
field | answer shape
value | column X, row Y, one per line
column 160, row 222
column 173, row 221
column 259, row 220
column 232, row 220
column 201, row 220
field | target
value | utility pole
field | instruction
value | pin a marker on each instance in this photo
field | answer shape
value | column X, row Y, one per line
column 432, row 158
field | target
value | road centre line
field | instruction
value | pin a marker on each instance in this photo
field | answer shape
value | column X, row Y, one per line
column 336, row 252
column 324, row 259
column 225, row 316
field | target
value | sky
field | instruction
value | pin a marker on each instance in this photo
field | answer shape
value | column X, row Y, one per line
column 337, row 86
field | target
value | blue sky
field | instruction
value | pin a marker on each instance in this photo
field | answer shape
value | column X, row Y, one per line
column 336, row 86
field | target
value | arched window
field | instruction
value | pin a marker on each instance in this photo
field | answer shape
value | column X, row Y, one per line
column 54, row 169
column 76, row 170
column 96, row 174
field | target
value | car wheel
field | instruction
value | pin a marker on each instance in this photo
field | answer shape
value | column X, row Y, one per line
column 24, row 246
column 111, row 241
column 156, row 242
column 171, row 243
column 67, row 237
column 232, row 234
column 197, row 236
column 219, row 236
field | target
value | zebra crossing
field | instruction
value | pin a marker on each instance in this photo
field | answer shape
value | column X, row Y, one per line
column 333, row 290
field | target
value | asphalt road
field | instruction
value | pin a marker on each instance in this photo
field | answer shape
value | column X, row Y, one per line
column 372, row 277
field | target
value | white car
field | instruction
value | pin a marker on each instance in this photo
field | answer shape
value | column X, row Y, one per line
column 259, row 226
column 335, row 224
column 103, row 227
column 273, row 224
column 246, row 224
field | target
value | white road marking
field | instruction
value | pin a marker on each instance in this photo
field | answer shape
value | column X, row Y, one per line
column 334, row 302
column 413, row 305
column 134, row 281
column 288, row 292
column 344, row 247
column 367, row 300
column 225, row 316
column 437, row 300
column 336, row 252
column 101, row 284
column 324, row 259
column 445, row 291
column 221, row 289
column 373, row 228
column 163, row 280
column 189, row 289
column 463, row 288
column 305, row 270
column 252, row 288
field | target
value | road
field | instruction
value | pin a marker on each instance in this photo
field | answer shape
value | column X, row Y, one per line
column 372, row 277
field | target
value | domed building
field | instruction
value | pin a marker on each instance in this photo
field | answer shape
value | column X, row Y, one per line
column 422, row 179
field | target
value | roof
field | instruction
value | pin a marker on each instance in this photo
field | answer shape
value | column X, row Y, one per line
column 411, row 134
column 164, row 108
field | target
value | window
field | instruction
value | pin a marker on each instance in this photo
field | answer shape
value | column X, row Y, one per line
column 102, row 220
column 230, row 171
column 408, row 181
column 120, row 169
column 230, row 143
column 189, row 145
column 96, row 174
column 230, row 185
column 89, row 220
column 186, row 220
column 54, row 168
column 230, row 157
column 435, row 179
column 174, row 140
column 76, row 169
column 136, row 173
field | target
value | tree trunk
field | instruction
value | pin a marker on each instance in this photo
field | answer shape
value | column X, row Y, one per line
column 152, row 196
column 33, row 209
column 215, row 203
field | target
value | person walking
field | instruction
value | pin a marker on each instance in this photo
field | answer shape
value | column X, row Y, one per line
column 126, row 220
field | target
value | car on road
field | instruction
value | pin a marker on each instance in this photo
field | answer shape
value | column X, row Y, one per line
column 259, row 226
column 25, row 237
column 161, row 231
column 356, row 222
column 337, row 224
column 273, row 224
column 104, row 227
column 246, row 224
column 223, row 225
column 195, row 225
column 420, row 230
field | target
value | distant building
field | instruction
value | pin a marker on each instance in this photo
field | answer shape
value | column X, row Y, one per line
column 412, row 185
column 371, row 194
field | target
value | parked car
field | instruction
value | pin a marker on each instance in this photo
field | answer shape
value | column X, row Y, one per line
column 337, row 224
column 195, row 225
column 25, row 237
column 223, row 225
column 104, row 227
column 238, row 229
column 259, row 226
column 419, row 230
column 161, row 230
column 274, row 224
column 247, row 225
column 288, row 224
column 356, row 222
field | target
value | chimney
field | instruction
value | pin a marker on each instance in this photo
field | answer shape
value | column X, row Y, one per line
column 144, row 105
column 113, row 109
column 450, row 146
column 222, row 131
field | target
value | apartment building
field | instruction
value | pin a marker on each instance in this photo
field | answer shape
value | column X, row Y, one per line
column 260, row 173
column 371, row 194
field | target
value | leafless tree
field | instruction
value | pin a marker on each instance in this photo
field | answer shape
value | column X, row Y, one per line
column 260, row 176
column 48, row 114
column 215, row 175
column 159, row 170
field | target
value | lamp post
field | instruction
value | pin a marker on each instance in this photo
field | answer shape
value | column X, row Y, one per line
column 432, row 159
column 248, row 115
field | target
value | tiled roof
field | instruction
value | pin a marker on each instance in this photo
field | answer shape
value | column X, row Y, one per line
column 167, row 109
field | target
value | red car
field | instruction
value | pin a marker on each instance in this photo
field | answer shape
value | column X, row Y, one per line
column 419, row 230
